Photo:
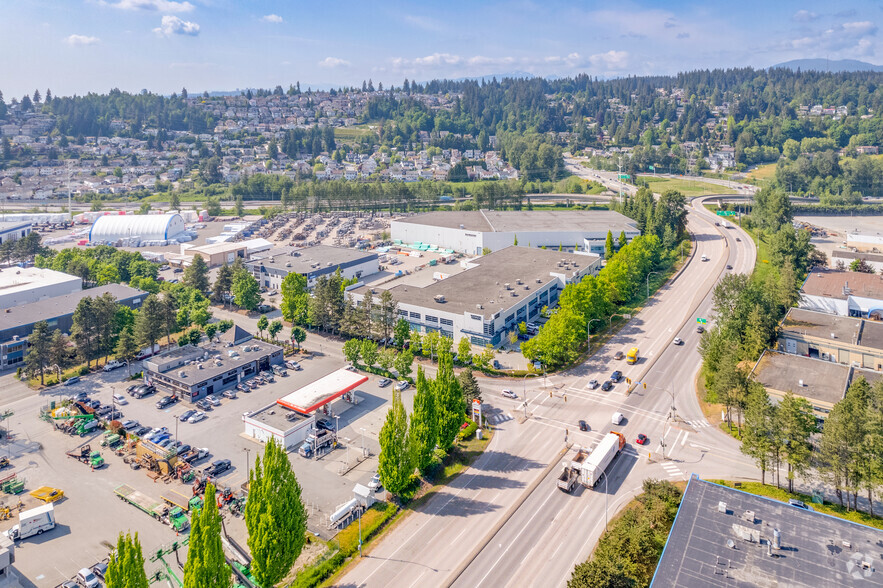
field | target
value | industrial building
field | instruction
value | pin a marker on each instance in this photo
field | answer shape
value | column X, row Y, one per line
column 312, row 262
column 13, row 231
column 873, row 260
column 471, row 232
column 291, row 418
column 137, row 229
column 723, row 537
column 23, row 285
column 220, row 253
column 194, row 372
column 864, row 243
column 820, row 382
column 843, row 293
column 850, row 341
column 17, row 323
column 495, row 293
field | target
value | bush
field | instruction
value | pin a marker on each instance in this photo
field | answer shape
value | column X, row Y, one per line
column 314, row 575
column 468, row 431
column 372, row 521
column 84, row 371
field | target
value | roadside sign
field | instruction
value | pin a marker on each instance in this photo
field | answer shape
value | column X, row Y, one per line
column 651, row 168
column 726, row 213
column 701, row 321
column 624, row 176
column 627, row 317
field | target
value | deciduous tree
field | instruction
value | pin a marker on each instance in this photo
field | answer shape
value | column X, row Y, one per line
column 395, row 462
column 126, row 566
column 424, row 422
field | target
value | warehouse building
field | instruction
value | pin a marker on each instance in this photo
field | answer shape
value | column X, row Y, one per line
column 136, row 229
column 471, row 232
column 850, row 341
column 724, row 537
column 13, row 231
column 312, row 262
column 194, row 372
column 495, row 293
column 843, row 293
column 23, row 285
column 17, row 323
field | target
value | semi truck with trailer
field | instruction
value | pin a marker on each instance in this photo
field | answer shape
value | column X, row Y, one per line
column 588, row 467
column 570, row 472
column 158, row 510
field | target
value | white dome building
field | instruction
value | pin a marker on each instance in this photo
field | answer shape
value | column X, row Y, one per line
column 136, row 228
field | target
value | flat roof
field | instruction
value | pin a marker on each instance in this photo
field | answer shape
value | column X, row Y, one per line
column 60, row 305
column 524, row 221
column 16, row 279
column 194, row 375
column 822, row 380
column 819, row 324
column 214, row 248
column 485, row 284
column 6, row 226
column 316, row 394
column 816, row 549
column 840, row 253
column 830, row 283
column 278, row 417
column 302, row 261
column 872, row 335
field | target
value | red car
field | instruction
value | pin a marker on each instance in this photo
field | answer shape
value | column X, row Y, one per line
column 642, row 439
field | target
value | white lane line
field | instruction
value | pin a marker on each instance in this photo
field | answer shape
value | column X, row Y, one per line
column 685, row 438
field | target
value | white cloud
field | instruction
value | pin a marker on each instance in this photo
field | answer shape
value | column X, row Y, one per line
column 172, row 25
column 850, row 38
column 81, row 40
column 334, row 62
column 155, row 5
column 274, row 18
column 609, row 62
column 422, row 22
column 804, row 16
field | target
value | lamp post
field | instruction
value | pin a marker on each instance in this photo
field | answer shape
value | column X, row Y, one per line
column 648, row 282
column 610, row 319
column 247, row 451
column 524, row 386
column 589, row 333
column 362, row 430
column 360, row 533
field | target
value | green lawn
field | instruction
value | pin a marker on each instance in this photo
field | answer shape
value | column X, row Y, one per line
column 685, row 187
column 351, row 133
column 763, row 172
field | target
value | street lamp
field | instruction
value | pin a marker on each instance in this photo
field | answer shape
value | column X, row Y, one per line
column 247, row 451
column 589, row 332
column 610, row 319
column 648, row 282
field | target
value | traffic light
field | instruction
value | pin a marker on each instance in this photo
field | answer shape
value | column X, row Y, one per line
column 628, row 381
column 644, row 384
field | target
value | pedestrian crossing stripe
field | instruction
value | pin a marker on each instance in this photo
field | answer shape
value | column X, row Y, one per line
column 699, row 424
column 499, row 418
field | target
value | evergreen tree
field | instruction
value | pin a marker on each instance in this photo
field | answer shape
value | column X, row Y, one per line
column 59, row 352
column 423, row 431
column 223, row 283
column 451, row 408
column 758, row 435
column 395, row 462
column 196, row 275
column 39, row 346
column 608, row 246
column 150, row 324
column 205, row 566
column 239, row 208
column 127, row 347
column 469, row 386
column 796, row 424
column 274, row 515
column 126, row 566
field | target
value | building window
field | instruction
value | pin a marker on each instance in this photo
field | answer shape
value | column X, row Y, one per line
column 403, row 313
column 431, row 319
column 489, row 329
column 447, row 322
column 475, row 317
column 415, row 315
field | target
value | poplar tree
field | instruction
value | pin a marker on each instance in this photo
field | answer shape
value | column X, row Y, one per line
column 423, row 431
column 274, row 515
column 126, row 566
column 395, row 463
column 451, row 407
column 608, row 246
column 206, row 567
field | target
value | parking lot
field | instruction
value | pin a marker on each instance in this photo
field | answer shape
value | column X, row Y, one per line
column 90, row 516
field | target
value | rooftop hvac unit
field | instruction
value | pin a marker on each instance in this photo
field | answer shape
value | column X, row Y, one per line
column 539, row 281
column 199, row 367
column 518, row 281
column 182, row 373
column 526, row 287
column 439, row 297
column 508, row 286
column 479, row 306
column 800, row 383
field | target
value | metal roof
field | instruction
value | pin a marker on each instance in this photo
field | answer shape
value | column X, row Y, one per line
column 315, row 395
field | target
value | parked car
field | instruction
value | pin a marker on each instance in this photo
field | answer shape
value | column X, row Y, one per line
column 375, row 484
column 100, row 569
column 112, row 365
column 178, row 270
column 616, row 376
column 607, row 385
column 166, row 401
column 384, row 382
column 213, row 400
column 141, row 431
column 103, row 410
column 592, row 384
column 295, row 366
column 678, row 341
column 72, row 380
column 642, row 439
column 324, row 424
column 130, row 389
column 128, row 424
column 186, row 415
column 120, row 399
column 87, row 579
column 182, row 448
column 243, row 388
column 94, row 404
column 509, row 394
column 583, row 426
column 218, row 467
column 203, row 405
column 196, row 417
column 799, row 504
column 403, row 385
column 231, row 393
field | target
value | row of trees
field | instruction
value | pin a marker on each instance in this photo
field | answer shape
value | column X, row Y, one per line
column 274, row 516
column 99, row 265
column 24, row 249
column 409, row 444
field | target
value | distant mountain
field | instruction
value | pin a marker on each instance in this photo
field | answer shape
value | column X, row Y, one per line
column 829, row 65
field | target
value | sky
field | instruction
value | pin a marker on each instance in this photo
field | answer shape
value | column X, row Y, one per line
column 80, row 46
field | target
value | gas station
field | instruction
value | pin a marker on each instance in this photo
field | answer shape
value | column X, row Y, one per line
column 291, row 420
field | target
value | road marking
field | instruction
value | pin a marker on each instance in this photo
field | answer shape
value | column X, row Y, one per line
column 685, row 439
column 672, row 470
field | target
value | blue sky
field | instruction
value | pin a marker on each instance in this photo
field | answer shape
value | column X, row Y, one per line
column 77, row 46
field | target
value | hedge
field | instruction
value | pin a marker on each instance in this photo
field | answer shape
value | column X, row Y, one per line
column 835, row 209
column 314, row 575
column 372, row 521
column 468, row 431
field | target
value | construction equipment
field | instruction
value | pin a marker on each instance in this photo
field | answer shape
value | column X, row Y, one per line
column 192, row 504
column 4, row 462
column 11, row 484
column 87, row 456
column 47, row 494
column 111, row 440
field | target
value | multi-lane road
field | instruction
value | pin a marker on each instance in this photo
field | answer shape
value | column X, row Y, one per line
column 504, row 522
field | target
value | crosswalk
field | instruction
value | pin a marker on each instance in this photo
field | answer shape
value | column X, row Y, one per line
column 672, row 470
column 698, row 424
column 496, row 419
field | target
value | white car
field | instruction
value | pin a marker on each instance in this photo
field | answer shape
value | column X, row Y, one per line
column 213, row 400
column 375, row 484
column 592, row 384
column 509, row 394
column 403, row 385
column 112, row 365
column 616, row 418
column 678, row 341
column 120, row 399
column 198, row 416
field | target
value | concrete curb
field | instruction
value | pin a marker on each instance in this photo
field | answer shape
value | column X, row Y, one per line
column 458, row 571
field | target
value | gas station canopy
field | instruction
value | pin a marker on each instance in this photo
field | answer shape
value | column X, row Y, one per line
column 315, row 395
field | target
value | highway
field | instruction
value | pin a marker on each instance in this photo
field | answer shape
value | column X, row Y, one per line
column 504, row 521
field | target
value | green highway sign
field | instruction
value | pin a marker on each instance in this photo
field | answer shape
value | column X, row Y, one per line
column 651, row 168
column 701, row 321
column 624, row 176
column 726, row 213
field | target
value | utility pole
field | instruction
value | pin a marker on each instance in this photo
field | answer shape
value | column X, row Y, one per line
column 70, row 211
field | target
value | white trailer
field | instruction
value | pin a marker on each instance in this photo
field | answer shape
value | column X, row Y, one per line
column 33, row 522
column 591, row 468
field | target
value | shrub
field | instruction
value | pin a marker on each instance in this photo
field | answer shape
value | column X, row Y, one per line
column 468, row 431
column 372, row 521
column 314, row 575
column 83, row 371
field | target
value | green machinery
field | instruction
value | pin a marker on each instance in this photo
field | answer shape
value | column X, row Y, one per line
column 11, row 484
column 166, row 573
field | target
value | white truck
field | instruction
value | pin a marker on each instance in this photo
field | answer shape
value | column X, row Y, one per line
column 33, row 522
column 590, row 469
